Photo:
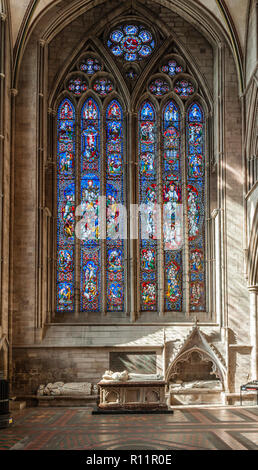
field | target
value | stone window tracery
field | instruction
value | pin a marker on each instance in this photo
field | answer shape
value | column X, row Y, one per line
column 91, row 273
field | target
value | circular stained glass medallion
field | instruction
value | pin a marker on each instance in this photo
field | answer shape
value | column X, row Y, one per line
column 103, row 86
column 90, row 65
column 77, row 86
column 159, row 87
column 171, row 67
column 184, row 88
column 131, row 42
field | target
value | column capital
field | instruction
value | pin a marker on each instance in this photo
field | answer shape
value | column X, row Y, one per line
column 3, row 16
column 14, row 91
column 253, row 289
column 42, row 42
column 51, row 112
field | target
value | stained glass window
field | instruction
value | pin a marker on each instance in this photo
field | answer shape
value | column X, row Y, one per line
column 131, row 42
column 148, row 200
column 65, row 205
column 170, row 181
column 196, row 202
column 179, row 255
column 90, row 193
column 115, row 197
column 172, row 197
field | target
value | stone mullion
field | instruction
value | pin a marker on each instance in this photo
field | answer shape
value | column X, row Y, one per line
column 213, row 281
column 49, row 268
column 53, row 160
column 208, row 247
column 13, row 92
column 185, row 254
column 51, row 285
column 2, row 102
column 160, row 241
column 222, row 186
column 102, row 213
column 126, row 229
column 46, row 214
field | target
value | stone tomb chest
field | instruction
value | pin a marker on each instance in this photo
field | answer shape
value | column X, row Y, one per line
column 132, row 391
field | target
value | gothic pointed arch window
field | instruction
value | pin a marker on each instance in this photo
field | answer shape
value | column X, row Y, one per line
column 101, row 132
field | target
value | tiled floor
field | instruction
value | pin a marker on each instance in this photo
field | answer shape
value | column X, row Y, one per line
column 187, row 429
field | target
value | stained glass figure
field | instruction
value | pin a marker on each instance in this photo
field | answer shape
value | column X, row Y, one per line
column 90, row 193
column 90, row 278
column 184, row 88
column 196, row 193
column 159, row 87
column 103, row 86
column 131, row 42
column 90, row 137
column 77, row 86
column 148, row 199
column 65, row 206
column 90, row 65
column 173, row 285
column 171, row 68
column 172, row 197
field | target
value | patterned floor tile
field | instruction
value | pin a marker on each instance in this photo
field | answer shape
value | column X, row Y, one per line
column 76, row 429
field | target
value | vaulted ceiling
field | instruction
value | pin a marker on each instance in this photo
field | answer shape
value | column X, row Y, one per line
column 230, row 13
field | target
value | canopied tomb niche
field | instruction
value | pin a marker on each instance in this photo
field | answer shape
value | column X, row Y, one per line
column 195, row 378
column 193, row 366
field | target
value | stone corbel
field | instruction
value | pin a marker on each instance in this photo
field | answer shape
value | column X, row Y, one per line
column 13, row 92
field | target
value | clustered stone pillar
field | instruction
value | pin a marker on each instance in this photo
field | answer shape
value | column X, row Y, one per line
column 253, row 292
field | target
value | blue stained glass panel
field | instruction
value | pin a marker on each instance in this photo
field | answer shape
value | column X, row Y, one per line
column 114, row 197
column 130, row 29
column 171, row 67
column 184, row 88
column 65, row 206
column 131, row 42
column 90, row 193
column 196, row 205
column 147, row 145
column 172, row 197
column 90, row 65
column 145, row 36
column 116, row 36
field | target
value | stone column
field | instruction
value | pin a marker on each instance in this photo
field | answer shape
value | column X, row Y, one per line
column 253, row 292
column 2, row 139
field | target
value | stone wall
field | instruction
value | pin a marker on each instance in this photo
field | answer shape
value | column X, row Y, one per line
column 33, row 367
column 51, row 359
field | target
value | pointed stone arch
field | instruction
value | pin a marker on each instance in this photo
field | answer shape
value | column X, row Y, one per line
column 196, row 344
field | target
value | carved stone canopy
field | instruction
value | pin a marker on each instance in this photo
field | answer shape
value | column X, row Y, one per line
column 196, row 360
